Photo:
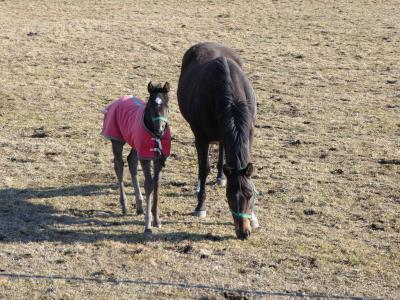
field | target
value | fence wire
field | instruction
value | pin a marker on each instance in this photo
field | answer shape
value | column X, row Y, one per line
column 228, row 293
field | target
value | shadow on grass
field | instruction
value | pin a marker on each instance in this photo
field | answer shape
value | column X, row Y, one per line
column 24, row 221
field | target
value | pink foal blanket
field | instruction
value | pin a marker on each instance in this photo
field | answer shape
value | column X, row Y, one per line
column 123, row 121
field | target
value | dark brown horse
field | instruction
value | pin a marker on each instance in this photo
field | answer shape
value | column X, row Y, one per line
column 217, row 100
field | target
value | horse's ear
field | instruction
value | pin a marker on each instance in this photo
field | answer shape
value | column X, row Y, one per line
column 227, row 171
column 166, row 87
column 150, row 87
column 249, row 170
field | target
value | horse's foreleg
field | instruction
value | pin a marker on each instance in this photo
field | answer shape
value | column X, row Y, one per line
column 133, row 164
column 148, row 187
column 158, row 165
column 117, row 148
column 204, row 170
column 220, row 176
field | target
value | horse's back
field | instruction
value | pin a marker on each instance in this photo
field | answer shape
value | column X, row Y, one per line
column 204, row 52
column 209, row 71
column 120, row 118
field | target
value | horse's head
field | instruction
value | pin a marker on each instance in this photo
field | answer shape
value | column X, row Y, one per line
column 157, row 108
column 240, row 192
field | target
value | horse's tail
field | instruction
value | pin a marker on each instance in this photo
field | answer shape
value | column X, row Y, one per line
column 233, row 112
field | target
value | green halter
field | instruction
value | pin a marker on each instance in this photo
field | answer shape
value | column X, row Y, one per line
column 160, row 118
column 241, row 215
column 137, row 102
column 244, row 215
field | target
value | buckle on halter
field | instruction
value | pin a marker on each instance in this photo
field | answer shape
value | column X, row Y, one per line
column 159, row 144
column 156, row 150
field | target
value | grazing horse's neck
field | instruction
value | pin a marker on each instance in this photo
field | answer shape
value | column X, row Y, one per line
column 237, row 151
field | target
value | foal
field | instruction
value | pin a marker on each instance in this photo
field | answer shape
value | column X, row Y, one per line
column 144, row 126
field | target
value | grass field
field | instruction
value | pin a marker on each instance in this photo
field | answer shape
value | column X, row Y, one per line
column 326, row 151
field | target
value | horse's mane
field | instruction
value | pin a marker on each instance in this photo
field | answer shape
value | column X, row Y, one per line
column 234, row 114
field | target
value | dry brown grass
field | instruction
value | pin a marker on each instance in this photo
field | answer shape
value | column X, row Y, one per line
column 327, row 79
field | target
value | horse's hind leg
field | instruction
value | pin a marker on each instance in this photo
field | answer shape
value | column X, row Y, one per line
column 148, row 187
column 133, row 165
column 220, row 176
column 204, row 170
column 117, row 148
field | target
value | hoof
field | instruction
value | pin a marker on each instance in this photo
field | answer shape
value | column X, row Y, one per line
column 148, row 231
column 156, row 224
column 139, row 211
column 200, row 213
column 124, row 212
column 221, row 181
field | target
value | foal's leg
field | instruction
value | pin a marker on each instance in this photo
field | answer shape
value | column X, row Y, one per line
column 148, row 187
column 158, row 165
column 133, row 164
column 220, row 176
column 204, row 170
column 117, row 148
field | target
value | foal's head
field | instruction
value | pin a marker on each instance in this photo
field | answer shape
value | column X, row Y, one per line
column 240, row 192
column 156, row 114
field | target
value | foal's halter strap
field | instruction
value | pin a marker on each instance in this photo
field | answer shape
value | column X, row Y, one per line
column 136, row 101
column 160, row 118
column 158, row 145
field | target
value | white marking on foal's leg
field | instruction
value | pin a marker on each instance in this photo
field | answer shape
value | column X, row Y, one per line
column 147, row 218
column 198, row 187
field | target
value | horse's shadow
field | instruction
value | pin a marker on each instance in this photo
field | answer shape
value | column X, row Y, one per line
column 22, row 220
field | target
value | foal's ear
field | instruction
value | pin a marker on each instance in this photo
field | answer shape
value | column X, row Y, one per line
column 249, row 170
column 166, row 87
column 150, row 87
column 227, row 170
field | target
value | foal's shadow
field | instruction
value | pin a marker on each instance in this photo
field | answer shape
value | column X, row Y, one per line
column 24, row 221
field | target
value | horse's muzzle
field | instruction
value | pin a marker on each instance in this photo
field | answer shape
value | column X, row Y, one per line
column 242, row 228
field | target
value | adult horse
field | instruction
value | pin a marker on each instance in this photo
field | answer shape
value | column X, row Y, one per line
column 144, row 126
column 217, row 100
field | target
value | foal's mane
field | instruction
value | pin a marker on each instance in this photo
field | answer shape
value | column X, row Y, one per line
column 234, row 114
